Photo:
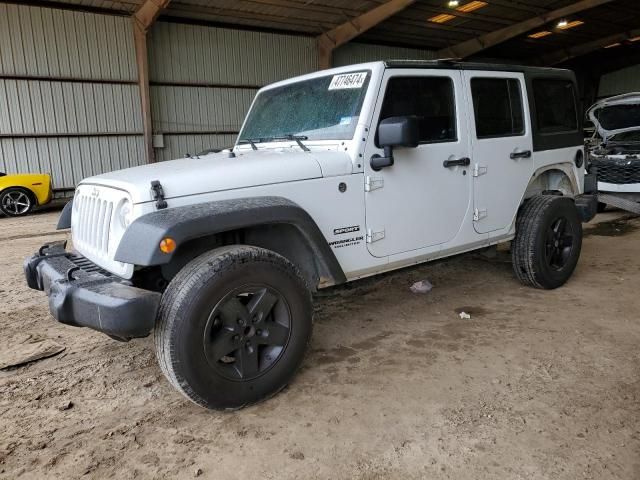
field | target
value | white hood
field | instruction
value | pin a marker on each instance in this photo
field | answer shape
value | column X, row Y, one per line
column 218, row 172
column 614, row 124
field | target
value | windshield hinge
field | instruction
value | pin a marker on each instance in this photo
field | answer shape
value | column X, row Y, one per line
column 373, row 183
column 374, row 236
column 478, row 170
column 157, row 192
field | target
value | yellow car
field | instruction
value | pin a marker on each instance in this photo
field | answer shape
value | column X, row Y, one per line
column 19, row 193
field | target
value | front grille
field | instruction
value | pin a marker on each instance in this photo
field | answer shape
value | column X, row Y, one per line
column 87, row 265
column 94, row 229
column 619, row 171
column 92, row 224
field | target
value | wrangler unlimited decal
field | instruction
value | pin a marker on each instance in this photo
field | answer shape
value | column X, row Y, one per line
column 347, row 242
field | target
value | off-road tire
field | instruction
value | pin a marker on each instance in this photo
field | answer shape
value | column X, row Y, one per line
column 191, row 299
column 27, row 195
column 534, row 224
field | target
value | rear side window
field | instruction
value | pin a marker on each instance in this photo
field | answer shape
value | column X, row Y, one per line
column 555, row 105
column 431, row 99
column 497, row 104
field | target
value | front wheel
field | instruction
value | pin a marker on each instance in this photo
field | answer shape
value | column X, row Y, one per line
column 548, row 241
column 233, row 326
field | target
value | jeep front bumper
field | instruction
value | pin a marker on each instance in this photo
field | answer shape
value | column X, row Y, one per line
column 83, row 295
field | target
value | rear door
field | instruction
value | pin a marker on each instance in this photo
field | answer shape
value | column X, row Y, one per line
column 501, row 146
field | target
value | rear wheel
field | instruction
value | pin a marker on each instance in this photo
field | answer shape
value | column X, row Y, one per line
column 15, row 202
column 233, row 326
column 548, row 241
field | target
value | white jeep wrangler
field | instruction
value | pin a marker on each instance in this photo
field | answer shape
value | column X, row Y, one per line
column 335, row 176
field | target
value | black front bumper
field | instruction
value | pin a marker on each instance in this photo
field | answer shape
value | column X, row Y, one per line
column 83, row 295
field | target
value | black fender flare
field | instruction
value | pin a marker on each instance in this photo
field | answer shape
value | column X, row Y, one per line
column 141, row 241
column 65, row 217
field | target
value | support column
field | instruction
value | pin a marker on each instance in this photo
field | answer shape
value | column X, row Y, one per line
column 142, row 62
column 142, row 21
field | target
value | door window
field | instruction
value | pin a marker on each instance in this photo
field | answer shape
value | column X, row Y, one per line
column 497, row 105
column 555, row 105
column 430, row 99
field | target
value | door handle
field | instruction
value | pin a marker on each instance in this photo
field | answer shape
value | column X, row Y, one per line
column 457, row 162
column 524, row 154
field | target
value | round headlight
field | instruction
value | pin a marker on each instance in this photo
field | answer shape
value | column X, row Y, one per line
column 124, row 214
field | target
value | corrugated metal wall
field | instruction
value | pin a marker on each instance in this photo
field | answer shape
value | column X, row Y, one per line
column 361, row 53
column 69, row 101
column 203, row 80
column 622, row 81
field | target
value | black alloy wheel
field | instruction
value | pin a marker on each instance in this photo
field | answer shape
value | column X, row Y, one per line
column 247, row 331
column 559, row 243
column 233, row 326
column 546, row 248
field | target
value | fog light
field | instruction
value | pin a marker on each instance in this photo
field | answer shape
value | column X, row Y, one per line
column 167, row 245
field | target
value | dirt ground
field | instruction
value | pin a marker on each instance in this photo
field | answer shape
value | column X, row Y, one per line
column 536, row 385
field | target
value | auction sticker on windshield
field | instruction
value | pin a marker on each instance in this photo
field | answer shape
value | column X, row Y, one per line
column 348, row 80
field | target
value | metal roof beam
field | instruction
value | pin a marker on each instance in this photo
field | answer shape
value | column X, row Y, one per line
column 565, row 54
column 148, row 12
column 329, row 41
column 475, row 45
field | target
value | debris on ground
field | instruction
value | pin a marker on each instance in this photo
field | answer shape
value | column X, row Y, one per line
column 20, row 349
column 423, row 286
column 464, row 316
column 66, row 405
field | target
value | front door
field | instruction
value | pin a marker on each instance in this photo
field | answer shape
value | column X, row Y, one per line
column 421, row 200
column 502, row 149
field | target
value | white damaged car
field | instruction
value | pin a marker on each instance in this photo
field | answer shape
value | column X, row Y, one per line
column 616, row 152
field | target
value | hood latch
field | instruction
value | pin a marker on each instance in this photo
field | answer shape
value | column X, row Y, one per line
column 158, row 194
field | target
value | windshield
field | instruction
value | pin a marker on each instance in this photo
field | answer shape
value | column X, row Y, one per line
column 616, row 117
column 325, row 108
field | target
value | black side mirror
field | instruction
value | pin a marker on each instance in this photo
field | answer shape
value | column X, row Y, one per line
column 395, row 132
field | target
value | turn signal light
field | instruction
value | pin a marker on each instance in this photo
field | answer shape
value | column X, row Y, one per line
column 167, row 245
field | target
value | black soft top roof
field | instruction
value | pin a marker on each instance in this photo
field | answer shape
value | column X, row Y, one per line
column 458, row 65
column 541, row 140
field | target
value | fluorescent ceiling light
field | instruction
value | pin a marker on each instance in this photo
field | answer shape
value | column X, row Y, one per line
column 471, row 6
column 617, row 44
column 541, row 34
column 566, row 25
column 466, row 8
column 442, row 18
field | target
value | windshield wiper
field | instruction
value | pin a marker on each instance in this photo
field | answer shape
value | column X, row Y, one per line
column 252, row 142
column 298, row 139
